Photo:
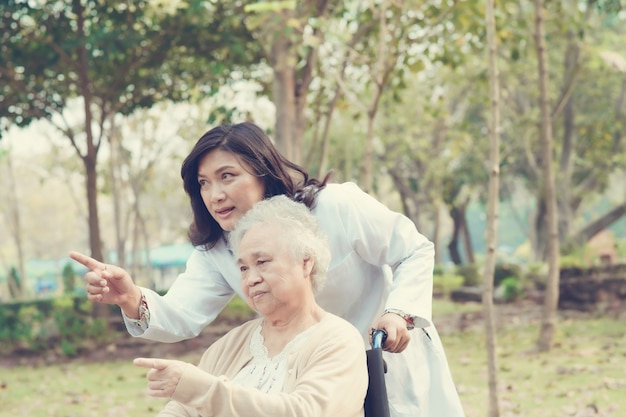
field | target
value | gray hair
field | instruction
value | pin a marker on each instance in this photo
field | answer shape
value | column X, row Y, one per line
column 294, row 223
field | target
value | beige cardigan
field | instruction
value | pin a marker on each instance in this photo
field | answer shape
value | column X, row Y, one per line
column 326, row 378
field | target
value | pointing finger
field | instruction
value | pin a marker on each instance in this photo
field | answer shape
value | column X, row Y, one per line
column 88, row 261
column 150, row 363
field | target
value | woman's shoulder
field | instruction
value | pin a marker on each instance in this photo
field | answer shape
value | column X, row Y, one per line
column 339, row 327
column 338, row 195
column 340, row 188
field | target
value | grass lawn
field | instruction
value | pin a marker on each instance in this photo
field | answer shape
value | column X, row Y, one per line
column 584, row 375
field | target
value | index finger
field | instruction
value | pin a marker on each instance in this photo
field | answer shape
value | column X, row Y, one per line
column 88, row 261
column 150, row 363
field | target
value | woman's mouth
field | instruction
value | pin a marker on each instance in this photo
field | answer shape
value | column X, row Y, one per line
column 257, row 295
column 224, row 213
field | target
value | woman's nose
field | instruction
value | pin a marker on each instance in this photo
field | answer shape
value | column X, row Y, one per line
column 217, row 194
column 252, row 277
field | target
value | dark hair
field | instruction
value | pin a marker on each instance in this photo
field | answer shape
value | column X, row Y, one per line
column 248, row 142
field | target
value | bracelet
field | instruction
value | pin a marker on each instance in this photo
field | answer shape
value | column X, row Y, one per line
column 409, row 319
column 144, row 312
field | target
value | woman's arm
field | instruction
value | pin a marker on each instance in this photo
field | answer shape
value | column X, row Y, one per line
column 193, row 301
column 384, row 237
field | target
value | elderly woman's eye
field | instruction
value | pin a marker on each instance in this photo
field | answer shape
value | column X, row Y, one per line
column 243, row 268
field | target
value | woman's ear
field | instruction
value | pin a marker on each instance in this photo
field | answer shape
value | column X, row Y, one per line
column 307, row 266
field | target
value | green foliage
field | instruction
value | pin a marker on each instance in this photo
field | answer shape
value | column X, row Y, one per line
column 571, row 261
column 29, row 331
column 536, row 274
column 505, row 270
column 126, row 55
column 444, row 283
column 512, row 288
column 72, row 317
column 65, row 325
column 69, row 279
column 15, row 283
column 471, row 275
column 61, row 324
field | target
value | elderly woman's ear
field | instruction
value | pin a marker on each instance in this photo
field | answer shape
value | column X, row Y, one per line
column 308, row 265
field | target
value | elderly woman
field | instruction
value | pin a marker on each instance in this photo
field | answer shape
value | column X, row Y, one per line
column 296, row 358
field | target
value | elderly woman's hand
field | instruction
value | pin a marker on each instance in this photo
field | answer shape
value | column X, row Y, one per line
column 163, row 376
column 398, row 336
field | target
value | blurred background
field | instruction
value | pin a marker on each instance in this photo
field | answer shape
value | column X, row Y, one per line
column 101, row 100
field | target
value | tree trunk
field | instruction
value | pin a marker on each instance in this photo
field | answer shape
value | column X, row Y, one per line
column 283, row 97
column 598, row 225
column 15, row 226
column 492, row 213
column 291, row 80
column 467, row 238
column 569, row 139
column 453, row 245
column 539, row 241
column 549, row 317
column 115, row 178
column 381, row 75
column 367, row 176
column 90, row 159
column 323, row 166
column 436, row 232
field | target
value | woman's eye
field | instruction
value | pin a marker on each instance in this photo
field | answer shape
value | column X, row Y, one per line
column 243, row 269
column 227, row 175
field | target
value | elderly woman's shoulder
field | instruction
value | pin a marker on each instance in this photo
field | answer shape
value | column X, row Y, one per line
column 340, row 327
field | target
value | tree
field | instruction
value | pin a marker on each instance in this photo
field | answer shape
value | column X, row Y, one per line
column 589, row 145
column 548, row 319
column 492, row 210
column 114, row 57
column 14, row 224
column 290, row 33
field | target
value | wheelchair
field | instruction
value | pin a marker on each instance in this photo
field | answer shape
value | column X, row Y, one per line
column 376, row 402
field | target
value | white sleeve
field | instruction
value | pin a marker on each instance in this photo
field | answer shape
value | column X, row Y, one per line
column 384, row 237
column 193, row 301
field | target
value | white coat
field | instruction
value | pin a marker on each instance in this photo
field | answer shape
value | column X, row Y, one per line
column 379, row 260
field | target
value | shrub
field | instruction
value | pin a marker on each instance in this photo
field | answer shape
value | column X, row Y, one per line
column 536, row 274
column 470, row 274
column 505, row 270
column 513, row 288
column 62, row 324
column 443, row 284
column 69, row 279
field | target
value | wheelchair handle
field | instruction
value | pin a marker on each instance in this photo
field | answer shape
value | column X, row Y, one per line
column 378, row 338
